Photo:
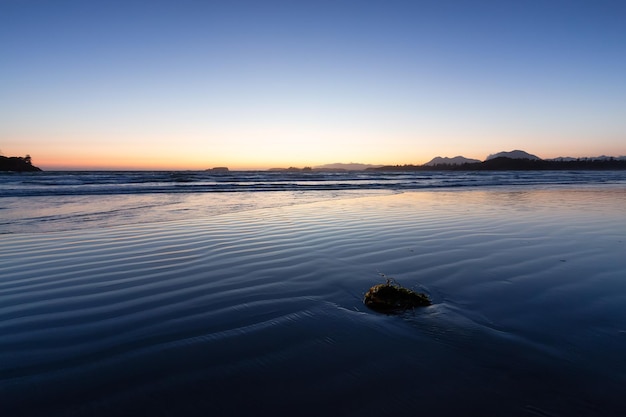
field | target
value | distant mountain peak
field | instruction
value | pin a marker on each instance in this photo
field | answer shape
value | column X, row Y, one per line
column 516, row 154
column 457, row 160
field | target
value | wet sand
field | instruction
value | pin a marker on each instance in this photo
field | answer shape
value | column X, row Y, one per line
column 261, row 311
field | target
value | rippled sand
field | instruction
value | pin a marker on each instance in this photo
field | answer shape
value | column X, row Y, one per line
column 259, row 312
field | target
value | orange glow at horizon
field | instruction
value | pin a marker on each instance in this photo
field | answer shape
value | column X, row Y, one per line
column 281, row 148
column 190, row 157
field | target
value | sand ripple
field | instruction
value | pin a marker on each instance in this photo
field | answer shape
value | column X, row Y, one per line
column 189, row 316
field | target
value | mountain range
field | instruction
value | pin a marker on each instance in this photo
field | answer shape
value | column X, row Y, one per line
column 506, row 160
column 460, row 160
column 514, row 160
column 457, row 160
column 516, row 154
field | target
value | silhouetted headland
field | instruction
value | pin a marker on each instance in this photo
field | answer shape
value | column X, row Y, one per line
column 516, row 160
column 510, row 164
column 17, row 164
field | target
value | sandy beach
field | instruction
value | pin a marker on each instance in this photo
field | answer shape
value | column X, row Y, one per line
column 261, row 311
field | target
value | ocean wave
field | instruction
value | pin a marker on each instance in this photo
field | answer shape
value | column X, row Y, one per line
column 110, row 183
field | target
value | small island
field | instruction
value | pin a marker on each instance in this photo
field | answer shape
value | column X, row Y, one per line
column 17, row 164
column 218, row 169
column 291, row 169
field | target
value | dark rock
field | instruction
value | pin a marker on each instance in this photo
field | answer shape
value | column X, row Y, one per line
column 391, row 298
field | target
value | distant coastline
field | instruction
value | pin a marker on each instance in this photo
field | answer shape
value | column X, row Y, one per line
column 516, row 160
column 512, row 164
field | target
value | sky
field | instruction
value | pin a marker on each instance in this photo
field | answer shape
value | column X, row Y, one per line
column 186, row 84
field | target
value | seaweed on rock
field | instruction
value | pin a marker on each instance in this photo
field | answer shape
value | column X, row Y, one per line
column 391, row 298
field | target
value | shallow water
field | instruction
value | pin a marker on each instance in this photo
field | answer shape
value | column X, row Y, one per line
column 260, row 311
column 36, row 214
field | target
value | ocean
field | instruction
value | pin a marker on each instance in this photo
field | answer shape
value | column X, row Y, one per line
column 58, row 201
column 241, row 293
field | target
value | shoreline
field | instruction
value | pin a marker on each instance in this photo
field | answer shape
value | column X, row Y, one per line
column 76, row 213
column 527, row 290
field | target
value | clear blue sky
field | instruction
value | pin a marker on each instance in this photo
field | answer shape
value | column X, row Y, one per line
column 195, row 84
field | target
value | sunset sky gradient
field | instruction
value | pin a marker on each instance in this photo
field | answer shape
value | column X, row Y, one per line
column 260, row 84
